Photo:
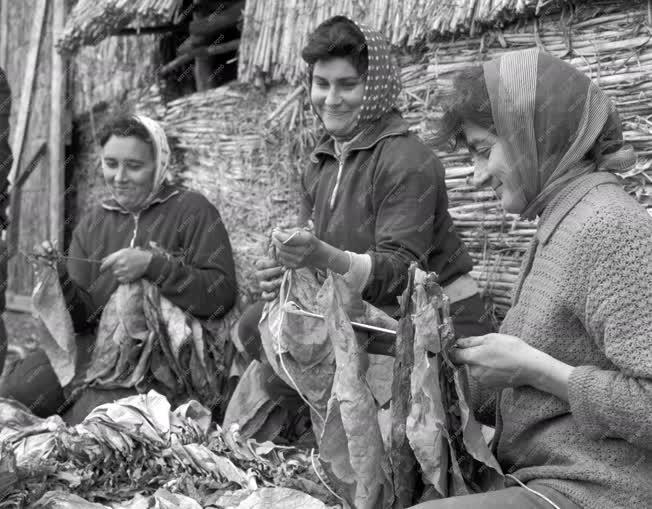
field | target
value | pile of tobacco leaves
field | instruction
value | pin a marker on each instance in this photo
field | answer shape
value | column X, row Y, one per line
column 132, row 449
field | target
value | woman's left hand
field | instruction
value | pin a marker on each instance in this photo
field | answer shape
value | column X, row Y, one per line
column 496, row 360
column 127, row 264
column 296, row 248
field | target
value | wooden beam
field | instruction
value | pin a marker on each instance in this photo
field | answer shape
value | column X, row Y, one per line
column 149, row 30
column 205, row 51
column 4, row 28
column 28, row 85
column 13, row 232
column 56, row 135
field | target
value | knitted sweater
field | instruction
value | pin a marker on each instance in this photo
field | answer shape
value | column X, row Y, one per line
column 585, row 297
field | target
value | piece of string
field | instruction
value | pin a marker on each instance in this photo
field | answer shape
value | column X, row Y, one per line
column 34, row 256
column 314, row 467
column 534, row 491
column 283, row 300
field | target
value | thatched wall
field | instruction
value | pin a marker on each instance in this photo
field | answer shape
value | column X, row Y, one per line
column 90, row 21
column 112, row 70
column 274, row 31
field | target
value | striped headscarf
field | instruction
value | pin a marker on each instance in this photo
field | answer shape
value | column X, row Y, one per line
column 556, row 124
column 382, row 81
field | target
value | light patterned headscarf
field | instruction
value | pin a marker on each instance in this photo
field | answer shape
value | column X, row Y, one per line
column 556, row 124
column 382, row 84
column 161, row 154
column 161, row 149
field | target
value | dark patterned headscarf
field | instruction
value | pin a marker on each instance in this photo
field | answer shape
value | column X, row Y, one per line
column 382, row 82
column 556, row 124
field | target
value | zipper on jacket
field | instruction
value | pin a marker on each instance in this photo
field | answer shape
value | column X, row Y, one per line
column 340, row 167
column 340, row 164
column 133, row 239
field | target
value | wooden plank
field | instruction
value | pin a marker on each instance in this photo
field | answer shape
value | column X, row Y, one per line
column 56, row 140
column 4, row 19
column 28, row 85
column 13, row 232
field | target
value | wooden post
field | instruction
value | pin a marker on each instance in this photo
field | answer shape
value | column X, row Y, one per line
column 56, row 135
column 27, row 87
column 4, row 26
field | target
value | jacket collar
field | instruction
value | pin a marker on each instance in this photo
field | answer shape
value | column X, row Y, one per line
column 390, row 124
column 162, row 196
column 567, row 199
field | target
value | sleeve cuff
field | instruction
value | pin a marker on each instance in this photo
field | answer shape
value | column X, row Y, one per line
column 582, row 386
column 156, row 269
column 359, row 270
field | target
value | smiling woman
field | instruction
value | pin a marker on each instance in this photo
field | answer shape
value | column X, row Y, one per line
column 128, row 166
column 567, row 381
column 374, row 194
column 148, row 229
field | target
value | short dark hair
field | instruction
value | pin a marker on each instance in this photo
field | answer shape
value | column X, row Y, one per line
column 124, row 125
column 338, row 37
column 467, row 101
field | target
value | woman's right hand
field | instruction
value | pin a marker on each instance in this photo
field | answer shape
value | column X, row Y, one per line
column 268, row 275
column 47, row 254
column 46, row 250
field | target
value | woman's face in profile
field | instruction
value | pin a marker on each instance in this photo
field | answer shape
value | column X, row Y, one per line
column 336, row 94
column 128, row 166
column 491, row 167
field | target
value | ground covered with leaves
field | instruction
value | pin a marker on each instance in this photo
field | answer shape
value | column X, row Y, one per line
column 137, row 451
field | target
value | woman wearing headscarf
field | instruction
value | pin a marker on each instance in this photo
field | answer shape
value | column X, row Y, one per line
column 148, row 229
column 374, row 192
column 571, row 369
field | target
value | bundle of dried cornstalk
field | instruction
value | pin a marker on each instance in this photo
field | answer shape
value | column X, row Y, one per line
column 274, row 31
column 92, row 20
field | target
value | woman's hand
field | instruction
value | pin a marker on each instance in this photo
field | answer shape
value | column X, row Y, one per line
column 127, row 264
column 495, row 360
column 268, row 275
column 46, row 254
column 296, row 248
column 46, row 250
column 500, row 361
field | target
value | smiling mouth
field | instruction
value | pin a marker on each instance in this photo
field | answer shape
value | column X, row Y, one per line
column 337, row 113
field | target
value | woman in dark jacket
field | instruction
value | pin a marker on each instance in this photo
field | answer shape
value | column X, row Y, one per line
column 375, row 193
column 147, row 229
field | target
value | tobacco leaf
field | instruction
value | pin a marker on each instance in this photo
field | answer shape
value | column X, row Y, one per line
column 447, row 440
column 58, row 337
column 280, row 498
column 352, row 409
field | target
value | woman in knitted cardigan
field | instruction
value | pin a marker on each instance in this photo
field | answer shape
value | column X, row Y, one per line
column 571, row 369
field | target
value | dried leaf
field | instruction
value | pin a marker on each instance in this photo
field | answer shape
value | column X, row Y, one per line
column 58, row 338
column 63, row 500
column 352, row 408
column 447, row 440
column 280, row 498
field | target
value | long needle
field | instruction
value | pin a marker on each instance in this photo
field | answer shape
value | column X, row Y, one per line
column 294, row 309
